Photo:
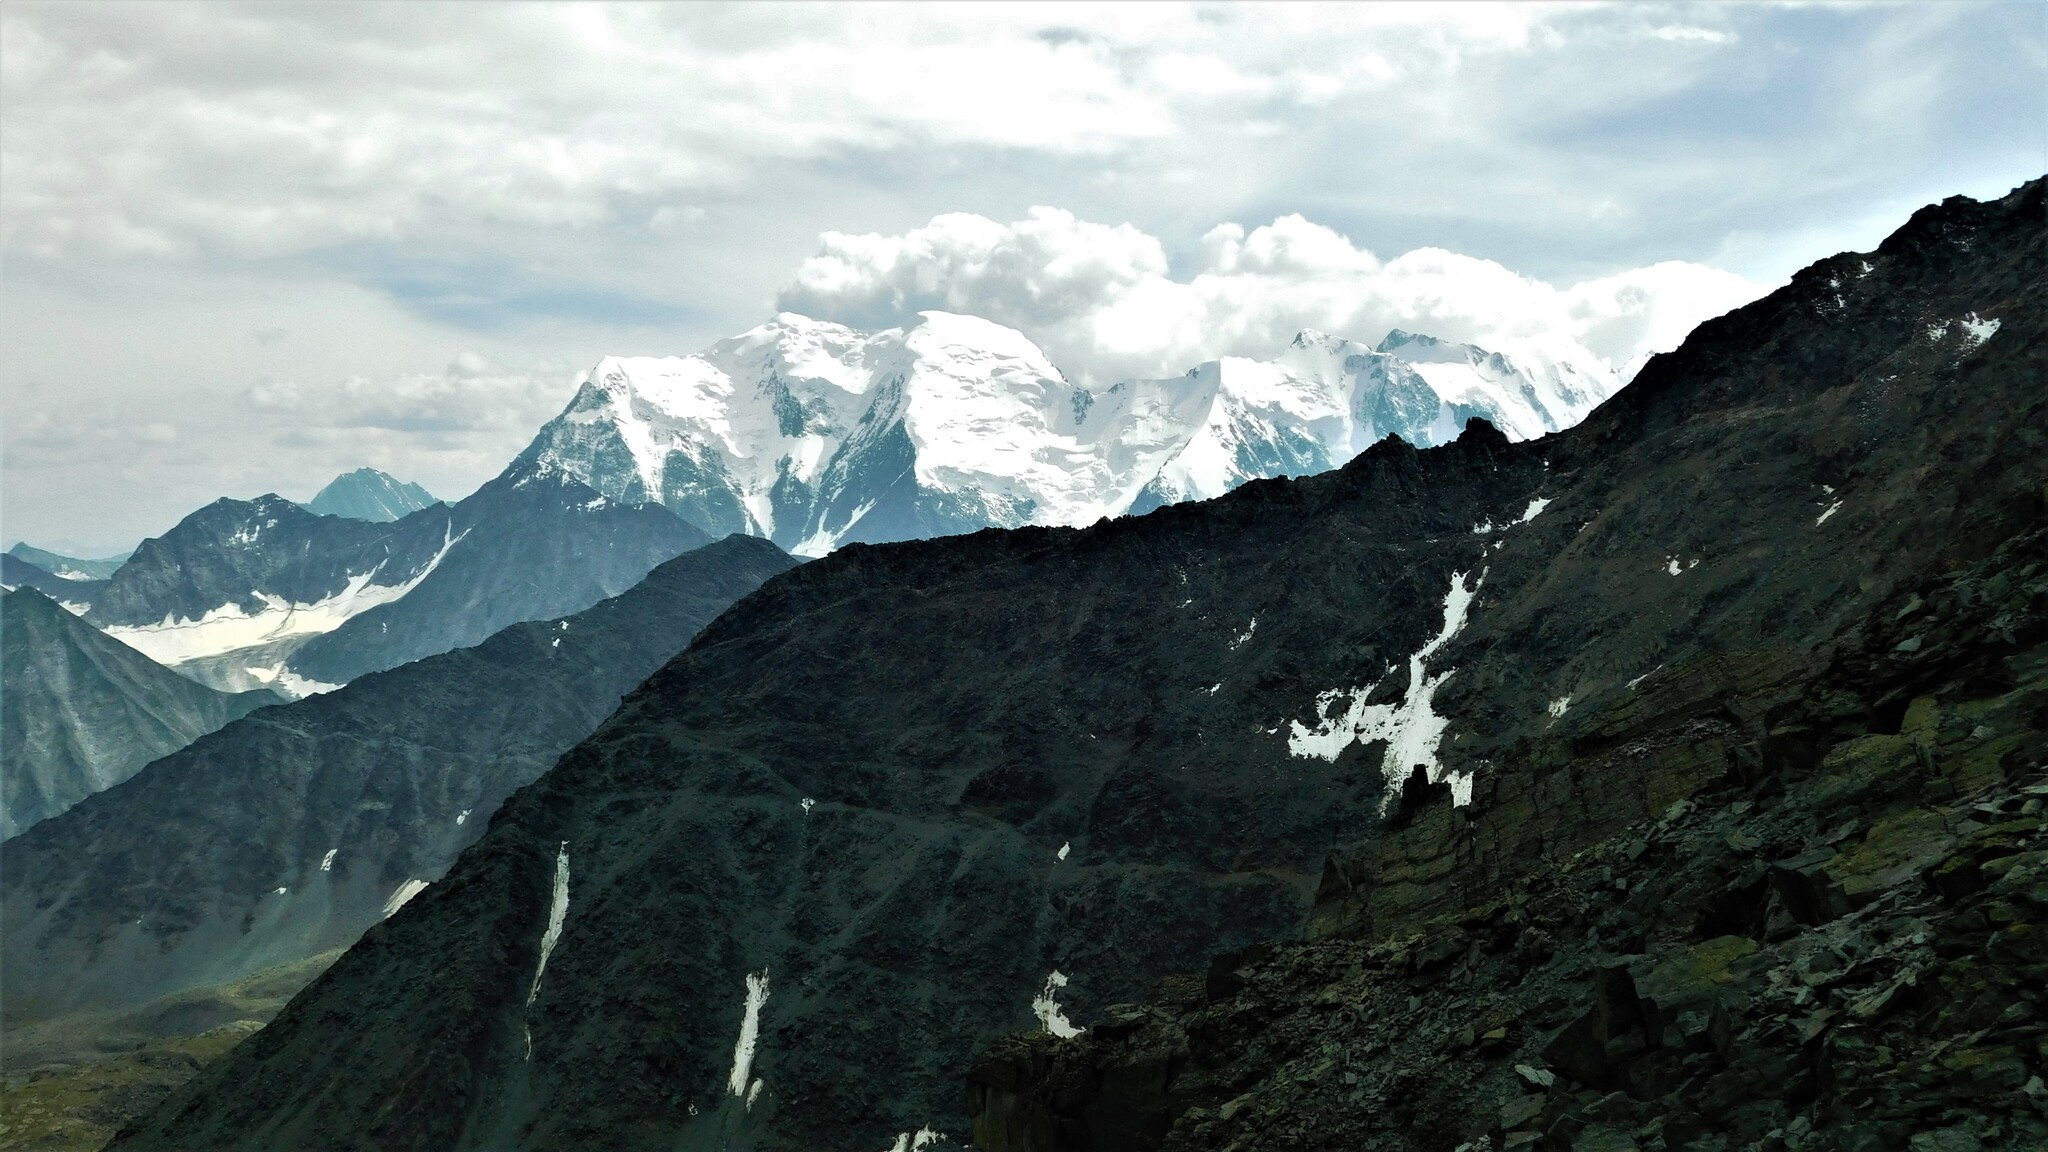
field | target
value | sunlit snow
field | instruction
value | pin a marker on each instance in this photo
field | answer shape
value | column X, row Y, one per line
column 1978, row 331
column 1411, row 728
column 405, row 892
column 327, row 861
column 228, row 628
column 1831, row 510
column 915, row 1141
column 558, row 911
column 1046, row 1007
column 1557, row 707
column 750, row 1032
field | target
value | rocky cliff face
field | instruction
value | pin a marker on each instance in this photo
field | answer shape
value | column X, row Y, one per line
column 906, row 800
column 80, row 712
column 289, row 832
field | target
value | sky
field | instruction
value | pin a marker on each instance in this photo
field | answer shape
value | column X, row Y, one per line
column 245, row 247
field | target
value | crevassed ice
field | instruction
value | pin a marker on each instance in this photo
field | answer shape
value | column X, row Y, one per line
column 1411, row 728
column 750, row 1033
column 1046, row 1007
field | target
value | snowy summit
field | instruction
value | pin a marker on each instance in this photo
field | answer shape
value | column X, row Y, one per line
column 816, row 435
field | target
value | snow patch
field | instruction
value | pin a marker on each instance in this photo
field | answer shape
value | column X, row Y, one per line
column 282, row 891
column 753, row 1093
column 1831, row 510
column 1047, row 1008
column 1978, row 331
column 1064, row 849
column 1246, row 636
column 405, row 892
column 463, row 816
column 915, row 1141
column 1671, row 565
column 327, row 861
column 1557, row 707
column 806, row 804
column 750, row 1032
column 1411, row 728
column 558, row 911
column 1534, row 509
column 1645, row 676
column 173, row 641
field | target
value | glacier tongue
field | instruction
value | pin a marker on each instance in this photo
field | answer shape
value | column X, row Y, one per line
column 818, row 435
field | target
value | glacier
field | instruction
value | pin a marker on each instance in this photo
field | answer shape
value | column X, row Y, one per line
column 817, row 435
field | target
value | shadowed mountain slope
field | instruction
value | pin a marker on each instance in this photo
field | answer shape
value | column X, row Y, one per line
column 906, row 799
column 80, row 711
column 288, row 833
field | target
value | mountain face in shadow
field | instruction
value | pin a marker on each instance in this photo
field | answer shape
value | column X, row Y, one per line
column 290, row 831
column 908, row 800
column 81, row 712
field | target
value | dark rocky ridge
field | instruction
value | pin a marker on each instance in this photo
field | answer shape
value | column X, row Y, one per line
column 169, row 881
column 16, row 572
column 531, row 544
column 81, row 711
column 1835, row 944
column 960, row 709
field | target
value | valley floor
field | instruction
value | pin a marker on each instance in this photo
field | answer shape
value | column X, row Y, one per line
column 70, row 1083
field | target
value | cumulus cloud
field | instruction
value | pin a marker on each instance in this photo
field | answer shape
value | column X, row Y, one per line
column 1104, row 301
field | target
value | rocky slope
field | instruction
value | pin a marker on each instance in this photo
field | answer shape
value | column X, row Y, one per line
column 905, row 800
column 289, row 832
column 1835, row 944
column 67, row 567
column 81, row 712
column 367, row 494
column 815, row 434
column 77, row 594
column 250, row 593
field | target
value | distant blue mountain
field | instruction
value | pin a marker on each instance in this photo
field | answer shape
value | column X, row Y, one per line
column 367, row 494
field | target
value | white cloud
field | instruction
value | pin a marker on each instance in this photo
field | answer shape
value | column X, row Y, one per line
column 1104, row 302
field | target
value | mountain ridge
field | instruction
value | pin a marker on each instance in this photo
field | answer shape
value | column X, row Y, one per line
column 83, row 712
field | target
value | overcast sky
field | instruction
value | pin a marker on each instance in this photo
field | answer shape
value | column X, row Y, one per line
column 247, row 247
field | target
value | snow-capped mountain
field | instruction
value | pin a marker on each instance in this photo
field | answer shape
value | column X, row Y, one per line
column 264, row 593
column 817, row 435
column 367, row 494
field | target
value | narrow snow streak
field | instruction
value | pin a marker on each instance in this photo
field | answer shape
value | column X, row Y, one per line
column 327, row 861
column 558, row 911
column 750, row 1033
column 1411, row 728
column 1047, row 1008
column 1832, row 509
